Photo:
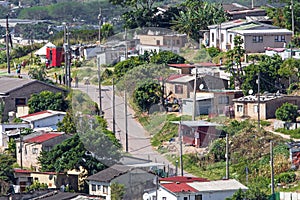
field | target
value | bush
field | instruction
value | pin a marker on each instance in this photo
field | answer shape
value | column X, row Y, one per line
column 286, row 178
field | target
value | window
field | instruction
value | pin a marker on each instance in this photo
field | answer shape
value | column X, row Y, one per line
column 105, row 189
column 157, row 42
column 164, row 198
column 178, row 42
column 255, row 108
column 198, row 197
column 230, row 38
column 93, row 187
column 185, row 198
column 279, row 38
column 35, row 150
column 20, row 101
column 99, row 187
column 240, row 108
column 212, row 37
column 222, row 37
column 257, row 39
column 178, row 89
column 223, row 100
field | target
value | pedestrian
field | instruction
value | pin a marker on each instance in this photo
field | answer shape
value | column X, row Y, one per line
column 19, row 70
column 59, row 78
column 64, row 79
column 55, row 77
column 76, row 81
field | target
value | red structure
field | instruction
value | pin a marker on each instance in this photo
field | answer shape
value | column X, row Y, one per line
column 55, row 56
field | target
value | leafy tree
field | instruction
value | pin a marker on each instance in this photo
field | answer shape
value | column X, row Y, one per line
column 238, row 195
column 38, row 73
column 289, row 68
column 124, row 66
column 67, row 125
column 287, row 112
column 217, row 149
column 6, row 169
column 234, row 61
column 47, row 100
column 107, row 30
column 70, row 154
column 166, row 57
column 196, row 16
column 146, row 95
column 117, row 191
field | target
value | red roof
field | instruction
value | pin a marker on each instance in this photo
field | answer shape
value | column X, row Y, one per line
column 179, row 187
column 175, row 76
column 37, row 113
column 184, row 179
column 24, row 171
column 42, row 138
column 182, row 65
column 207, row 64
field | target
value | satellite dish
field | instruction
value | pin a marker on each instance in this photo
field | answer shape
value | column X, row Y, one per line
column 250, row 91
column 201, row 86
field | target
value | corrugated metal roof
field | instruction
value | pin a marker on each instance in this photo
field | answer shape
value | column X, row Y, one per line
column 183, row 179
column 196, row 123
column 41, row 115
column 42, row 138
column 219, row 185
column 179, row 187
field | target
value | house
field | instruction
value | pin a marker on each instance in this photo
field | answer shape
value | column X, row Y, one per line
column 46, row 118
column 15, row 92
column 29, row 148
column 238, row 11
column 109, row 57
column 183, row 86
column 135, row 181
column 41, row 53
column 161, row 42
column 10, row 131
column 247, row 106
column 188, row 188
column 256, row 35
column 198, row 133
column 284, row 53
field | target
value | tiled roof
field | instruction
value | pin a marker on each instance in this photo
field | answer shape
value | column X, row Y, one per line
column 110, row 173
column 42, row 138
column 182, row 65
column 24, row 171
column 183, row 179
column 179, row 187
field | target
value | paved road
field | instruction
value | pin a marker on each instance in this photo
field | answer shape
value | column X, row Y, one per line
column 139, row 140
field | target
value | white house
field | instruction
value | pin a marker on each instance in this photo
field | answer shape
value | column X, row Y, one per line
column 256, row 35
column 47, row 118
column 8, row 131
column 195, row 190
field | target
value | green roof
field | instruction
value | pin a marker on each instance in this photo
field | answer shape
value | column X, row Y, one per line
column 246, row 27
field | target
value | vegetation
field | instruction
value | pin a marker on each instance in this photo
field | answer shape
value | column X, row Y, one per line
column 47, row 100
column 6, row 172
column 117, row 191
column 287, row 112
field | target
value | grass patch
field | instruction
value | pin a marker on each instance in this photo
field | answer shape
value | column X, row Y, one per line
column 293, row 133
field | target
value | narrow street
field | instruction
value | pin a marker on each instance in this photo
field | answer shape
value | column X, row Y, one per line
column 138, row 139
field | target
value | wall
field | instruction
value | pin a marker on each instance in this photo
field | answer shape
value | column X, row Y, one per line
column 99, row 189
column 268, row 41
column 29, row 155
column 48, row 122
column 203, row 107
column 25, row 92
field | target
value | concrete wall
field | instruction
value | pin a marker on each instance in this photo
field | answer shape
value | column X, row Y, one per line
column 25, row 92
column 50, row 121
column 268, row 41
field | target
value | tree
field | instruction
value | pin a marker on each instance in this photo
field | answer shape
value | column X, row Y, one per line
column 117, row 191
column 67, row 125
column 6, row 172
column 146, row 95
column 38, row 73
column 197, row 16
column 287, row 112
column 166, row 57
column 234, row 61
column 290, row 68
column 47, row 100
column 107, row 30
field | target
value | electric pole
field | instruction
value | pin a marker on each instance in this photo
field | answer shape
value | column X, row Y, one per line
column 292, row 13
column 272, row 170
column 67, row 75
column 126, row 122
column 258, row 102
column 180, row 141
column 227, row 156
column 99, row 65
column 114, row 105
column 194, row 96
column 7, row 40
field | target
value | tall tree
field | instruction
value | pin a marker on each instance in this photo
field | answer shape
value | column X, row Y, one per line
column 234, row 61
column 197, row 16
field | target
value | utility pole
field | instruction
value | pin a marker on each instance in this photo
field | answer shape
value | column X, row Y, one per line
column 99, row 65
column 126, row 123
column 227, row 156
column 258, row 102
column 272, row 170
column 194, row 96
column 114, row 106
column 126, row 46
column 180, row 141
column 67, row 75
column 21, row 149
column 292, row 13
column 7, row 40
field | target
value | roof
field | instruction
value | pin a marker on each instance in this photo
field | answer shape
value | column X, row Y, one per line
column 42, row 51
column 202, row 64
column 183, row 179
column 264, row 31
column 178, row 187
column 8, row 84
column 183, row 79
column 41, row 115
column 275, row 49
column 254, row 98
column 229, row 24
column 219, row 185
column 182, row 65
column 42, row 138
column 196, row 123
column 110, row 173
